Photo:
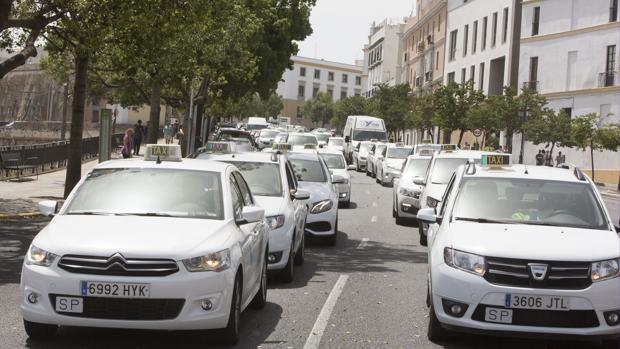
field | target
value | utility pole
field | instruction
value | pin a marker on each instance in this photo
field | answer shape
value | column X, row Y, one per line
column 63, row 127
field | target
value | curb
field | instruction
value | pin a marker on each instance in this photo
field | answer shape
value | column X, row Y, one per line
column 22, row 215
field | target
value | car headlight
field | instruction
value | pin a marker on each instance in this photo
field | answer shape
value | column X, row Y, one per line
column 217, row 261
column 408, row 192
column 430, row 202
column 605, row 270
column 37, row 256
column 275, row 222
column 321, row 206
column 468, row 262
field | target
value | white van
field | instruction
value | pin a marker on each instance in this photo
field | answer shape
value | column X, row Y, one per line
column 362, row 128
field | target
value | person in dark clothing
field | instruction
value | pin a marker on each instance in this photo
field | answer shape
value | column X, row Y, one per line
column 540, row 157
column 138, row 135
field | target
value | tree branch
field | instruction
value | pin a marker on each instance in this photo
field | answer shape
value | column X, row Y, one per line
column 20, row 58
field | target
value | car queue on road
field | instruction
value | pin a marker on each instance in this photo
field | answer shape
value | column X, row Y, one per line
column 246, row 214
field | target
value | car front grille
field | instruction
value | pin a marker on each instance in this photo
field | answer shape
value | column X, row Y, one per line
column 117, row 265
column 126, row 308
column 545, row 318
column 319, row 226
column 516, row 272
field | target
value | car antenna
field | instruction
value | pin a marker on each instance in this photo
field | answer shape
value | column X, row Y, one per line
column 158, row 160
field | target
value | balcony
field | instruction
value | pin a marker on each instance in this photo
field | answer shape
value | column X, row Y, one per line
column 532, row 85
column 607, row 79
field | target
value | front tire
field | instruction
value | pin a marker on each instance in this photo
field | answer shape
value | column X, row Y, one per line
column 39, row 331
column 260, row 299
column 332, row 239
column 435, row 332
column 230, row 334
column 288, row 273
column 423, row 238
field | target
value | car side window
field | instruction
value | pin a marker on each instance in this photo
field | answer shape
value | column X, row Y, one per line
column 237, row 199
column 246, row 194
column 290, row 178
column 447, row 195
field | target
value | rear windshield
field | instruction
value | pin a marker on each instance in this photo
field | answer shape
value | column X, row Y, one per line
column 322, row 137
column 444, row 168
column 302, row 139
column 398, row 153
column 268, row 133
column 263, row 178
column 417, row 167
column 335, row 161
column 308, row 170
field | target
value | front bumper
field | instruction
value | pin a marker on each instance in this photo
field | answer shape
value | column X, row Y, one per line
column 388, row 176
column 474, row 291
column 280, row 245
column 190, row 288
column 322, row 224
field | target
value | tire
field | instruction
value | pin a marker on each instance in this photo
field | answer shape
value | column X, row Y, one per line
column 39, row 331
column 288, row 273
column 435, row 332
column 230, row 334
column 260, row 299
column 423, row 238
column 347, row 204
column 300, row 255
column 401, row 221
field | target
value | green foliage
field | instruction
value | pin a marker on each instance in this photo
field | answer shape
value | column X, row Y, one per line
column 422, row 112
column 587, row 133
column 550, row 128
column 453, row 103
column 320, row 109
column 356, row 105
column 393, row 105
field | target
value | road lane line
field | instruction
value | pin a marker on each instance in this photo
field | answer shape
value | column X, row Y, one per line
column 314, row 339
column 363, row 243
column 374, row 204
column 374, row 219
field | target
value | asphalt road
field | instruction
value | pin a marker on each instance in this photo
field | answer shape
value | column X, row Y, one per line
column 366, row 292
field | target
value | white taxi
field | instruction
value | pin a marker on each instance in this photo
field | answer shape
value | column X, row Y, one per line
column 314, row 177
column 376, row 151
column 406, row 193
column 149, row 244
column 274, row 187
column 337, row 165
column 336, row 143
column 360, row 153
column 302, row 140
column 390, row 166
column 522, row 250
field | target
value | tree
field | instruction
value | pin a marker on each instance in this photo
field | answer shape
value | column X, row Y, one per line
column 271, row 106
column 423, row 113
column 355, row 105
column 485, row 116
column 452, row 104
column 550, row 128
column 393, row 105
column 587, row 133
column 320, row 108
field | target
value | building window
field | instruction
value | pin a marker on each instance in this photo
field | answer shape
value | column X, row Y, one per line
column 533, row 74
column 613, row 10
column 472, row 72
column 358, row 80
column 463, row 77
column 481, row 78
column 494, row 30
column 315, row 91
column 453, row 45
column 302, row 71
column 330, row 92
column 535, row 20
column 301, row 91
column 345, row 78
column 437, row 61
column 474, row 37
column 330, row 76
column 343, row 94
column 358, row 93
column 450, row 78
column 505, row 28
column 610, row 65
column 485, row 21
column 465, row 38
column 568, row 112
column 317, row 74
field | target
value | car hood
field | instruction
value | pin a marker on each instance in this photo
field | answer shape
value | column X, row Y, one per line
column 132, row 236
column 318, row 191
column 522, row 241
column 271, row 204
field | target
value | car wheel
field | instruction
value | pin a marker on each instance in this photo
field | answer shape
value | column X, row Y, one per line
column 435, row 332
column 230, row 334
column 39, row 331
column 347, row 204
column 260, row 299
column 300, row 255
column 423, row 239
column 367, row 172
column 288, row 273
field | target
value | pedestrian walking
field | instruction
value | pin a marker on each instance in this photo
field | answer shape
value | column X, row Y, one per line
column 558, row 159
column 548, row 159
column 138, row 135
column 540, row 157
column 127, row 149
column 168, row 133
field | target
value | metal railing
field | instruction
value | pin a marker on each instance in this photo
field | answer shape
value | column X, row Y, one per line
column 607, row 79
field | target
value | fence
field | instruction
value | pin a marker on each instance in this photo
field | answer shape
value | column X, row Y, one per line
column 53, row 155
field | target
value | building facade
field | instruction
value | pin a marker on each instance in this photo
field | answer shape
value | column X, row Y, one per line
column 382, row 55
column 569, row 54
column 310, row 76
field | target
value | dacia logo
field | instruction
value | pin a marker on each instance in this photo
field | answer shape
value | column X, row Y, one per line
column 538, row 271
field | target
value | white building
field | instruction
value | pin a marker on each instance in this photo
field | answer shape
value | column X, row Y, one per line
column 569, row 54
column 310, row 76
column 382, row 55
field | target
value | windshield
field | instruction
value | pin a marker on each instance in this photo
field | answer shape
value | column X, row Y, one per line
column 534, row 202
column 302, row 139
column 417, row 167
column 322, row 137
column 151, row 192
column 398, row 153
column 365, row 135
column 308, row 170
column 444, row 168
column 263, row 178
column 335, row 142
column 335, row 161
column 268, row 133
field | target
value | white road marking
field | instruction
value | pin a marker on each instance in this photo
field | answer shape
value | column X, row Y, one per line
column 374, row 219
column 374, row 204
column 314, row 339
column 363, row 243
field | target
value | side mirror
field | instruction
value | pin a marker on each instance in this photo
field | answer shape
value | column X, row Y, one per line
column 347, row 139
column 336, row 179
column 251, row 214
column 301, row 195
column 419, row 181
column 428, row 216
column 617, row 229
column 48, row 208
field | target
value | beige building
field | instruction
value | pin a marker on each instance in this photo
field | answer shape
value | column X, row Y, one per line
column 424, row 45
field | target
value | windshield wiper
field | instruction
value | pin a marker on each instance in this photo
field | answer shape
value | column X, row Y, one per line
column 90, row 213
column 144, row 214
column 482, row 220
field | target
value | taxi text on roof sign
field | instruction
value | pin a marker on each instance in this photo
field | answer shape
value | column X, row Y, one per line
column 218, row 147
column 448, row 147
column 163, row 152
column 426, row 141
column 426, row 152
column 281, row 146
column 309, row 146
column 498, row 160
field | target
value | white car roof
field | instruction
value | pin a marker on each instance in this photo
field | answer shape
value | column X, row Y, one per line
column 418, row 156
column 184, row 164
column 330, row 151
column 533, row 172
column 336, row 138
column 462, row 154
column 247, row 157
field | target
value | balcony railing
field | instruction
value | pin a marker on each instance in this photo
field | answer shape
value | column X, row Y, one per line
column 532, row 85
column 607, row 79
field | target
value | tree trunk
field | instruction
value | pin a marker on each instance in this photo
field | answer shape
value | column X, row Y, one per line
column 521, row 150
column 447, row 136
column 551, row 152
column 592, row 157
column 74, row 162
column 461, row 137
column 154, row 115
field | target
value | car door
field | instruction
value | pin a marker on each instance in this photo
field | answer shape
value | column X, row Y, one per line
column 433, row 229
column 299, row 206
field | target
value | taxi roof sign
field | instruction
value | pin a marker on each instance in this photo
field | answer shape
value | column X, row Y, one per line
column 162, row 152
column 426, row 141
column 448, row 147
column 399, row 144
column 309, row 146
column 281, row 146
column 426, row 152
column 217, row 147
column 495, row 160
